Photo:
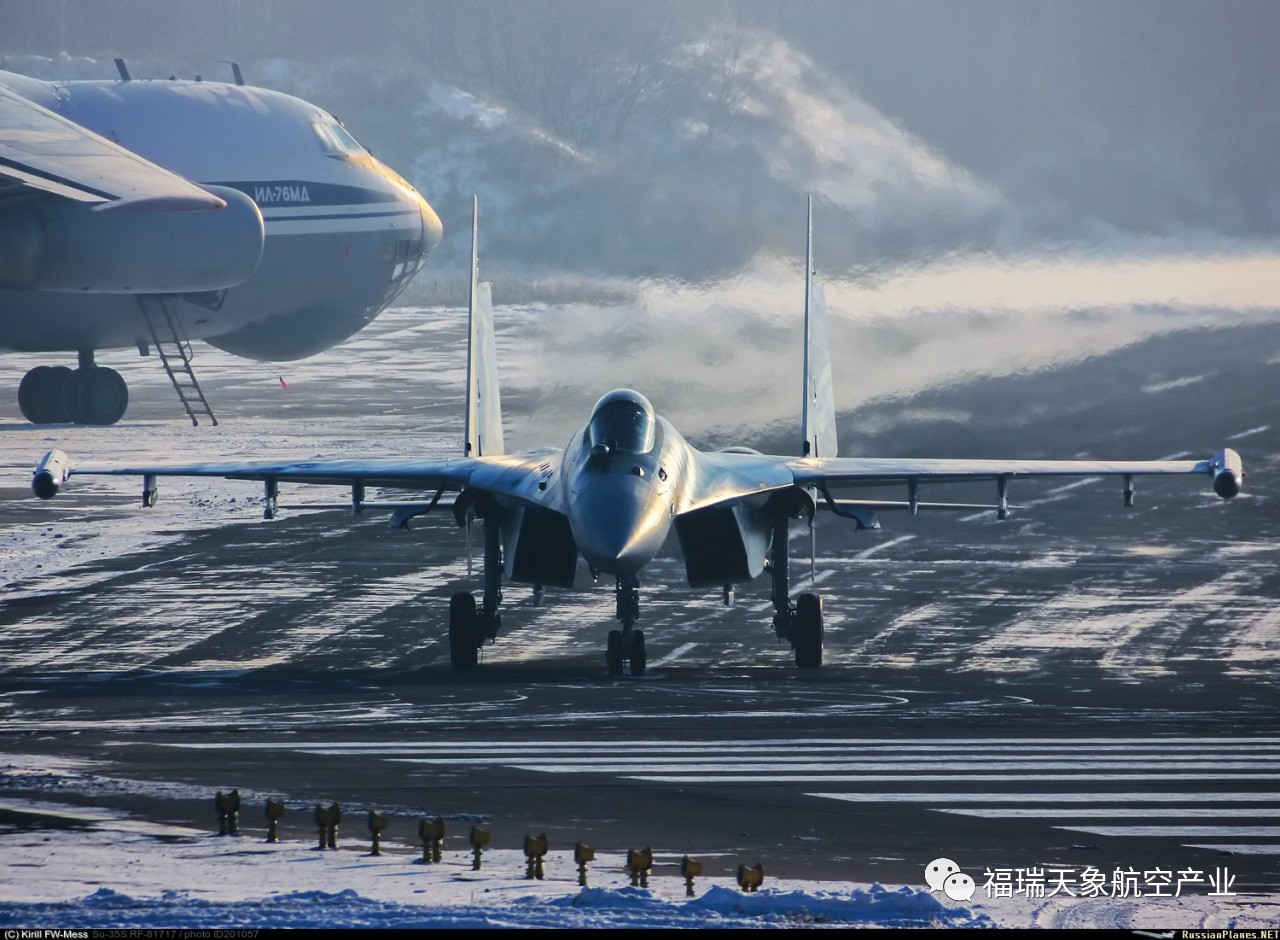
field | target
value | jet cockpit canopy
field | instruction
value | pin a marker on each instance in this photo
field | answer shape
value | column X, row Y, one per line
column 624, row 422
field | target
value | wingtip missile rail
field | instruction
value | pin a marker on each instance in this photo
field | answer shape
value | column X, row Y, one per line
column 50, row 474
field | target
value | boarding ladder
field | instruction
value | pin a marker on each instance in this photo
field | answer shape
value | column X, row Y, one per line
column 175, row 355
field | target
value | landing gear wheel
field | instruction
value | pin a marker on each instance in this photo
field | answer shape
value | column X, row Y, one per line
column 33, row 394
column 638, row 660
column 806, row 631
column 463, row 646
column 613, row 654
column 56, row 397
column 100, row 396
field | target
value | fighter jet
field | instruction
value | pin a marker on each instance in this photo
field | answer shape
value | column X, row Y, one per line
column 615, row 491
column 154, row 213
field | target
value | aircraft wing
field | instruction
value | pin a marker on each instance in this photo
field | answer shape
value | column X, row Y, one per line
column 877, row 471
column 44, row 151
column 515, row 476
column 1224, row 470
column 727, row 476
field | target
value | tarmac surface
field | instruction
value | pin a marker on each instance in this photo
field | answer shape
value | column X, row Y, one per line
column 1080, row 686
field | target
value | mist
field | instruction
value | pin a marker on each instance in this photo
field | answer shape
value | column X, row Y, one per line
column 999, row 187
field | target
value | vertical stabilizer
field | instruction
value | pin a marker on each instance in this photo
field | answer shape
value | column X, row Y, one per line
column 818, row 412
column 483, row 429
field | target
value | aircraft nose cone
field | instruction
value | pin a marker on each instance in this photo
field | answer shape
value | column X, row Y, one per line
column 617, row 525
column 432, row 230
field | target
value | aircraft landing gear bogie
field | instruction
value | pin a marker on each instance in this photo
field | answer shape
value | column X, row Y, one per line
column 91, row 394
column 800, row 623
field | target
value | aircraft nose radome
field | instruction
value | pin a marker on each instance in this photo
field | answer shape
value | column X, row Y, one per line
column 432, row 230
column 615, row 529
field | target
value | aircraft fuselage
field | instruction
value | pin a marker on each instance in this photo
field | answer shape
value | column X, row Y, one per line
column 343, row 233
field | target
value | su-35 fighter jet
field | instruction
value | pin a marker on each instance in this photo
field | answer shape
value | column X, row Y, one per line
column 622, row 483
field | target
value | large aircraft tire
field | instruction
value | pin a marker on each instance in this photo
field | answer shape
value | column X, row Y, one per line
column 638, row 658
column 808, row 631
column 57, row 394
column 613, row 654
column 33, row 394
column 463, row 649
column 101, row 396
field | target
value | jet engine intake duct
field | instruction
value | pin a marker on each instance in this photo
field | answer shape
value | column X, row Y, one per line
column 151, row 246
column 723, row 544
column 538, row 546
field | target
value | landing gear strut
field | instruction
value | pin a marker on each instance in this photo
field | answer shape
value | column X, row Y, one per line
column 799, row 624
column 469, row 628
column 626, row 645
column 89, row 394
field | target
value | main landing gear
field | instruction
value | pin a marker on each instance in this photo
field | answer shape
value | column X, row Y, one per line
column 800, row 624
column 626, row 645
column 470, row 628
column 89, row 394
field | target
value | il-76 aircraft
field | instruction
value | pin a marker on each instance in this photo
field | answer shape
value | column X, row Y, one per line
column 615, row 491
column 151, row 213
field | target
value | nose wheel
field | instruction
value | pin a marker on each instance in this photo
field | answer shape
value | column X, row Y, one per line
column 622, row 652
column 626, row 646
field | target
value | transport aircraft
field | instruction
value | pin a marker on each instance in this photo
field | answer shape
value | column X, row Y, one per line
column 619, row 486
column 152, row 213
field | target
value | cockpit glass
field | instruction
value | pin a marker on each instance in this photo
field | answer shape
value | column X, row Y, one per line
column 335, row 140
column 626, row 427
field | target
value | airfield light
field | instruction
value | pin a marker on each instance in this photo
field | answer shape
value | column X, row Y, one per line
column 639, row 864
column 583, row 853
column 750, row 878
column 431, row 831
column 275, row 809
column 691, row 868
column 327, row 820
column 377, row 825
column 228, row 805
column 479, row 839
column 535, row 850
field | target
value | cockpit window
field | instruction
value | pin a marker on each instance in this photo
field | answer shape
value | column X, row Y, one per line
column 626, row 427
column 334, row 139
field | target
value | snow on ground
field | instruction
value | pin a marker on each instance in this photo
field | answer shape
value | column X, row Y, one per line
column 108, row 875
column 76, row 865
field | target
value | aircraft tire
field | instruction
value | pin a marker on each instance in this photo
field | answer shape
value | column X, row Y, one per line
column 638, row 658
column 57, row 395
column 613, row 654
column 33, row 394
column 807, row 631
column 463, row 648
column 100, row 396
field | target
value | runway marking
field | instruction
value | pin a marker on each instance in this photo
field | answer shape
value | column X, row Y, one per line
column 916, row 744
column 702, row 765
column 879, row 768
column 1082, row 797
column 1117, row 812
column 1270, row 832
column 797, row 584
column 673, row 655
column 868, row 552
column 902, row 778
column 1234, row 849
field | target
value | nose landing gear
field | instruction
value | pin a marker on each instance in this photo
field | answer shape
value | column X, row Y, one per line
column 626, row 646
